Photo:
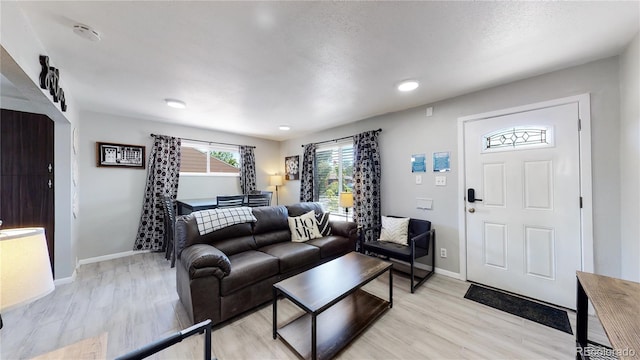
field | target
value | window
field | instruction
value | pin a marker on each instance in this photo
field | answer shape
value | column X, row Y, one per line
column 334, row 164
column 209, row 159
column 518, row 138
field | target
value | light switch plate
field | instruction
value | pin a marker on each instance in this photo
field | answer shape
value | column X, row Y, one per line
column 441, row 181
column 418, row 179
column 424, row 203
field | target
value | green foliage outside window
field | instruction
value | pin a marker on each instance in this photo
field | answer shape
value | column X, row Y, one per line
column 226, row 157
column 334, row 175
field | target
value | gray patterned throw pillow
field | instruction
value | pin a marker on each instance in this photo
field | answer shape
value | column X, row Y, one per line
column 323, row 224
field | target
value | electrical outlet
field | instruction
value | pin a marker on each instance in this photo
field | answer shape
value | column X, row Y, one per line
column 443, row 252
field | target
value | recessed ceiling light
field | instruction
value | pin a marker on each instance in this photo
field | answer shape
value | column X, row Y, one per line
column 175, row 103
column 408, row 85
column 86, row 32
column 284, row 127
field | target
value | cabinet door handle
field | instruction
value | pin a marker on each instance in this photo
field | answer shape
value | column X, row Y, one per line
column 50, row 167
column 50, row 184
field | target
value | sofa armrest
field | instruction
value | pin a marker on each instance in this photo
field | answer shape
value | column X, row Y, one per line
column 347, row 229
column 204, row 260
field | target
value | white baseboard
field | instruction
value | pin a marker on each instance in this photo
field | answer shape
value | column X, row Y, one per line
column 111, row 257
column 448, row 273
column 426, row 267
column 67, row 280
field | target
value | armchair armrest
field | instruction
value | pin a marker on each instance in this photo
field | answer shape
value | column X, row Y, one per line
column 204, row 260
column 423, row 240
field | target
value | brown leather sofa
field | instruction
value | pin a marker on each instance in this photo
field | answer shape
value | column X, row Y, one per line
column 229, row 271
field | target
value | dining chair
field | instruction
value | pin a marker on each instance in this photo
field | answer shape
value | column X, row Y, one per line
column 230, row 201
column 254, row 200
column 169, row 228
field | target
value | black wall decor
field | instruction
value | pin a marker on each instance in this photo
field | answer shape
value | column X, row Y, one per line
column 49, row 80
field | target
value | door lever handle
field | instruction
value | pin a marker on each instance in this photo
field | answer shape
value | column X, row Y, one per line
column 471, row 195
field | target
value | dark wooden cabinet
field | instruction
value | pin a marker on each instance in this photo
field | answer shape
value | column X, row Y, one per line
column 26, row 172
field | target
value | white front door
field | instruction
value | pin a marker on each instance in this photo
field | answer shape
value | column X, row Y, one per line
column 523, row 236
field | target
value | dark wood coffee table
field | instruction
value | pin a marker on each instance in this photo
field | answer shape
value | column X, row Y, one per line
column 337, row 308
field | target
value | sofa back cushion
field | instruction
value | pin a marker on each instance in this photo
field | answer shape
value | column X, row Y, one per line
column 303, row 208
column 230, row 240
column 271, row 226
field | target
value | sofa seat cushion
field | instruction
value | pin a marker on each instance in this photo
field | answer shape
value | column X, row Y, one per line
column 332, row 245
column 248, row 268
column 292, row 255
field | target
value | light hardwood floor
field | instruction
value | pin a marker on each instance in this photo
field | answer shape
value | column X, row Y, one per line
column 134, row 301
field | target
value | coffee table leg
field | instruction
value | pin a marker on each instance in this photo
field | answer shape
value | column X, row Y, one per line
column 390, row 288
column 582, row 319
column 313, row 337
column 275, row 312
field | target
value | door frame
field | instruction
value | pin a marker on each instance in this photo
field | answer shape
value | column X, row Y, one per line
column 584, row 140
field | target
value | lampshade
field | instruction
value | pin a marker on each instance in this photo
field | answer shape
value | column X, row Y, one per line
column 275, row 180
column 346, row 199
column 25, row 270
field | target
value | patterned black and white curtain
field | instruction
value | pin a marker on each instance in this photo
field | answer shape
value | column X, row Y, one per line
column 247, row 169
column 163, row 173
column 366, row 176
column 307, row 174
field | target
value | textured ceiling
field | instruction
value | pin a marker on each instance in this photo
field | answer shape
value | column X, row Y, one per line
column 247, row 67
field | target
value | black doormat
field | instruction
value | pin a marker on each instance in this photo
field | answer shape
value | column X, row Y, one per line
column 530, row 310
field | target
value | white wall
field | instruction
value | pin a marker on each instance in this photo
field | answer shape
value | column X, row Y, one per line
column 111, row 198
column 20, row 64
column 410, row 131
column 630, row 160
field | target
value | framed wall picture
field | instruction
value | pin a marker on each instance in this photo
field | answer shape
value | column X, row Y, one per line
column 120, row 155
column 441, row 161
column 292, row 167
column 418, row 163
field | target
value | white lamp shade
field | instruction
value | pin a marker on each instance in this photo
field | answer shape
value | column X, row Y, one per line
column 275, row 180
column 25, row 270
column 346, row 199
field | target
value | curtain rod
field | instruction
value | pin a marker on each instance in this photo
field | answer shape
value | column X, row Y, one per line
column 209, row 142
column 338, row 139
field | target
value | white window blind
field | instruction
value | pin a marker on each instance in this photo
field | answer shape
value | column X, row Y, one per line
column 209, row 159
column 334, row 164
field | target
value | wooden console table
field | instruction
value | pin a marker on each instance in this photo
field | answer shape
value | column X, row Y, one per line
column 617, row 305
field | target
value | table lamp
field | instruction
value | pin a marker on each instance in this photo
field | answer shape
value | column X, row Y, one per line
column 276, row 180
column 346, row 201
column 25, row 270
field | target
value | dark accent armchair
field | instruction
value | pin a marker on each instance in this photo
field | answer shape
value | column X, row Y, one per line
column 421, row 242
column 230, row 201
